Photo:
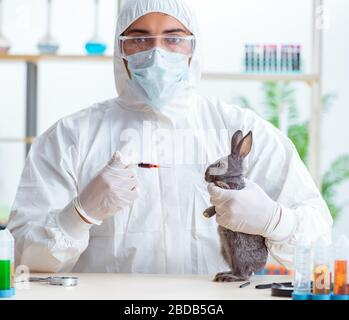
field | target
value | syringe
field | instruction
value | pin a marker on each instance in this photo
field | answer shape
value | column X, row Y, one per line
column 150, row 165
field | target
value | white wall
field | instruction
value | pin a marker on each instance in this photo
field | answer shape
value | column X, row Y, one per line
column 226, row 25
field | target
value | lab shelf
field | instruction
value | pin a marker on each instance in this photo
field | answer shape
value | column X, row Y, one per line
column 38, row 58
column 308, row 78
column 206, row 75
column 26, row 140
column 313, row 79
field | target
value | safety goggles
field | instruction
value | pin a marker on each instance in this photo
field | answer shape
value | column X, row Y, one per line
column 180, row 44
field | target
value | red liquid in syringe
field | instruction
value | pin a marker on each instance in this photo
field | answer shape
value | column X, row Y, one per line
column 149, row 165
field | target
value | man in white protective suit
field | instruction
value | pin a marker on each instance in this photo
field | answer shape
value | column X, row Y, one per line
column 83, row 205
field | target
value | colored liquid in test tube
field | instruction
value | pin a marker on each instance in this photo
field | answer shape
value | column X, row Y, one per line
column 322, row 274
column 341, row 276
column 322, row 279
column 6, row 264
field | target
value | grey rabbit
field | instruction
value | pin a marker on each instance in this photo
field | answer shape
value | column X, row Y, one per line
column 244, row 253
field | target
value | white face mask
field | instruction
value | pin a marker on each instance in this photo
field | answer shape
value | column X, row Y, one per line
column 158, row 74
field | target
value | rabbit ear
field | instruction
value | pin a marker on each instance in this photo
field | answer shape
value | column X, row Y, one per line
column 235, row 140
column 245, row 145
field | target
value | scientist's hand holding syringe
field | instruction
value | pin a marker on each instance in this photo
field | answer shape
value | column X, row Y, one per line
column 113, row 189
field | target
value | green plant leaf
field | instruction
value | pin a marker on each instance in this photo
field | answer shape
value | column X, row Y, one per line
column 279, row 95
column 337, row 173
column 298, row 133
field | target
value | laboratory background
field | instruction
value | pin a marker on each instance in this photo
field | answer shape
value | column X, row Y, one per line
column 286, row 59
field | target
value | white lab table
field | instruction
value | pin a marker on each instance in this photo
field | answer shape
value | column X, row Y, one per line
column 148, row 287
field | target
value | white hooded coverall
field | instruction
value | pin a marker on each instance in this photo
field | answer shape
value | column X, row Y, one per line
column 164, row 231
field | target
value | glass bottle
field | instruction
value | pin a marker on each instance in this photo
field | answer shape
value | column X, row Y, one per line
column 321, row 271
column 95, row 46
column 302, row 270
column 6, row 263
column 48, row 45
column 341, row 272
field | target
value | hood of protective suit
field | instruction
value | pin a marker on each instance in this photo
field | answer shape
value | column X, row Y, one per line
column 131, row 11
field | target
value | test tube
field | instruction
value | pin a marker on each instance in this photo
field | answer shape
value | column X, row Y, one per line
column 341, row 275
column 247, row 58
column 302, row 271
column 298, row 57
column 264, row 57
column 322, row 274
column 6, row 264
column 258, row 57
column 283, row 56
column 275, row 59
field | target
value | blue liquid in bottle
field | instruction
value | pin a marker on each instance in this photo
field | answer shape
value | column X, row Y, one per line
column 48, row 48
column 95, row 48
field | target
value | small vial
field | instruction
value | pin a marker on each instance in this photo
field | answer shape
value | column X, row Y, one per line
column 283, row 59
column 298, row 57
column 252, row 57
column 247, row 58
column 341, row 275
column 302, row 271
column 6, row 264
column 322, row 274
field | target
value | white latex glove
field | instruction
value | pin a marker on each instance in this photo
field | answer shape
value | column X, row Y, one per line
column 250, row 210
column 113, row 189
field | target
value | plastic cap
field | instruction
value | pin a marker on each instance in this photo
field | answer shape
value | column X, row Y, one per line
column 320, row 297
column 300, row 296
column 7, row 293
column 340, row 297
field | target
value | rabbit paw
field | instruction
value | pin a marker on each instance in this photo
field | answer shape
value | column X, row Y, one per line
column 209, row 212
column 228, row 277
column 222, row 185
